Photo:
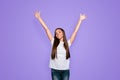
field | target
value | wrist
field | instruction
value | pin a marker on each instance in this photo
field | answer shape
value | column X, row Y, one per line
column 80, row 20
column 38, row 18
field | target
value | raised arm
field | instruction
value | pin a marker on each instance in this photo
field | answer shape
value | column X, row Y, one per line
column 82, row 17
column 37, row 15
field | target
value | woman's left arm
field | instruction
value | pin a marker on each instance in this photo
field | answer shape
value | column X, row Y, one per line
column 82, row 17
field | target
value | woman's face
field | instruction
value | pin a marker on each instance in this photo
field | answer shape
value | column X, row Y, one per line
column 59, row 34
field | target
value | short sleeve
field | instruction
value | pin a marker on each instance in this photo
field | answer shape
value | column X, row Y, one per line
column 52, row 41
column 69, row 43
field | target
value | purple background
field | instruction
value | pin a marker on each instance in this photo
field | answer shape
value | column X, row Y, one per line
column 25, row 49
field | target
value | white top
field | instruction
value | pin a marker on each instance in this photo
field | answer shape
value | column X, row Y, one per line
column 60, row 63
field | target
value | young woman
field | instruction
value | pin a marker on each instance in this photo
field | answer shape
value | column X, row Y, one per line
column 60, row 54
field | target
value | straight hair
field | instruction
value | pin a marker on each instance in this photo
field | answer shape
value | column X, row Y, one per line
column 56, row 43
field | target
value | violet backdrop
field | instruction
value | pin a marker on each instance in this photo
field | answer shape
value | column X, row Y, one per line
column 25, row 49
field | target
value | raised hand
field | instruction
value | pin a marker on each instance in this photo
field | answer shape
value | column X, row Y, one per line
column 83, row 16
column 49, row 34
column 37, row 14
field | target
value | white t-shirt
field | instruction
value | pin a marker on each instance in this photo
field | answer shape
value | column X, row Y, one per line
column 60, row 63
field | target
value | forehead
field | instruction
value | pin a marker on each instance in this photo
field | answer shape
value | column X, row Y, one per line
column 58, row 30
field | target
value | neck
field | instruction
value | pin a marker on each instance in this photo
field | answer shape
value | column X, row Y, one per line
column 61, row 39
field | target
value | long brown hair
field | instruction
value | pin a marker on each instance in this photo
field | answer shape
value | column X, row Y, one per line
column 56, row 42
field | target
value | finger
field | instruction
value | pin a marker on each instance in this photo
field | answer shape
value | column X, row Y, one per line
column 39, row 12
column 85, row 16
column 80, row 13
column 35, row 13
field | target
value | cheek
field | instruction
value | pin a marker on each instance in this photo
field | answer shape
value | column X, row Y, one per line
column 61, row 34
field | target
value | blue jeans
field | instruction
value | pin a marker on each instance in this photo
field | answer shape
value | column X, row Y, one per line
column 60, row 74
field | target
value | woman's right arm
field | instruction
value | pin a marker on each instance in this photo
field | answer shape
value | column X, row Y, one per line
column 49, row 34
